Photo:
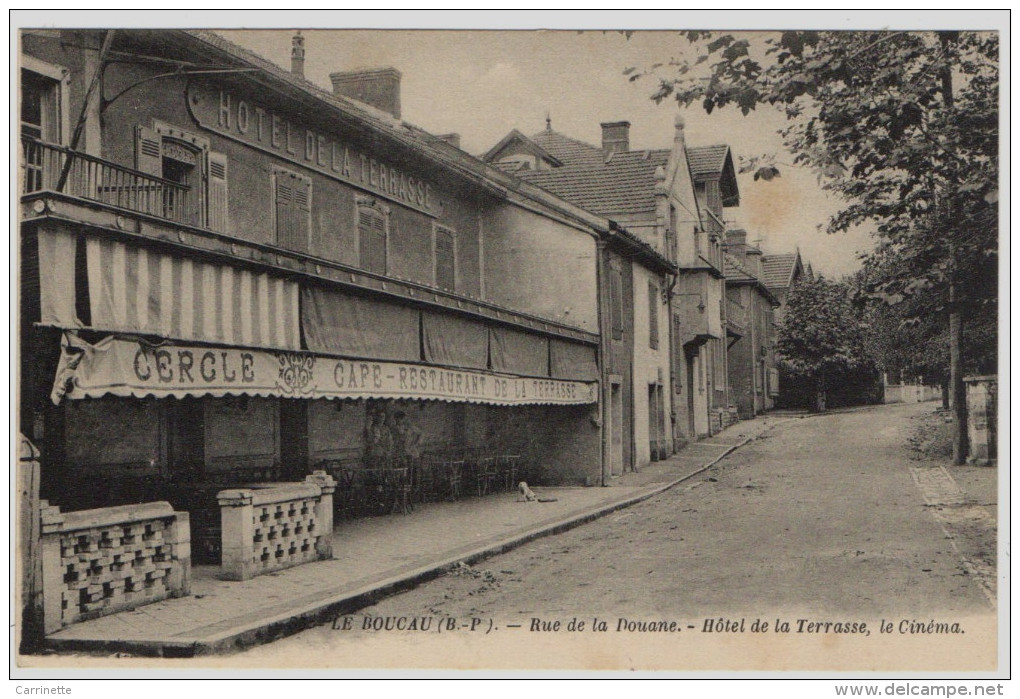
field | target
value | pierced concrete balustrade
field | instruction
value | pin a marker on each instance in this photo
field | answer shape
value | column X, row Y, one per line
column 98, row 562
column 277, row 526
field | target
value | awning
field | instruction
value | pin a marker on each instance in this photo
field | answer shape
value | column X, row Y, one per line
column 336, row 322
column 129, row 368
column 134, row 289
column 56, row 278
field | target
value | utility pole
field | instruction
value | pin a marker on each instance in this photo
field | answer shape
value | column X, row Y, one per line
column 957, row 396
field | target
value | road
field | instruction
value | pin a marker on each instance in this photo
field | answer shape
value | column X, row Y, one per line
column 828, row 517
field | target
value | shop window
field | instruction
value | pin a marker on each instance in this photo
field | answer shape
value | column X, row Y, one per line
column 293, row 196
column 446, row 258
column 372, row 233
column 653, row 315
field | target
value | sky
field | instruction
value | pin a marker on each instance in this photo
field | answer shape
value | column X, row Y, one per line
column 482, row 84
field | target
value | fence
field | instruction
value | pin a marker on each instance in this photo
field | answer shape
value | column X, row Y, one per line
column 910, row 393
column 265, row 529
column 97, row 562
column 97, row 180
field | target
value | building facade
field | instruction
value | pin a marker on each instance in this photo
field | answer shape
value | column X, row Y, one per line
column 229, row 273
column 751, row 354
column 634, row 189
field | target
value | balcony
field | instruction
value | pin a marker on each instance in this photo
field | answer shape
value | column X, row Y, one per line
column 700, row 313
column 49, row 167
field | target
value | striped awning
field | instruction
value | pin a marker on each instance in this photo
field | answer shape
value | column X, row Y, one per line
column 134, row 289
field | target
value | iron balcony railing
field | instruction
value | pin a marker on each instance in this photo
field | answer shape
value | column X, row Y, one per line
column 87, row 177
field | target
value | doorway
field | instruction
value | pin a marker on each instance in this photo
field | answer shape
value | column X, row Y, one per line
column 616, row 429
column 655, row 420
column 691, row 430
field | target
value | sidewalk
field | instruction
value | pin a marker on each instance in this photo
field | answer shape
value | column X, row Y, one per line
column 376, row 557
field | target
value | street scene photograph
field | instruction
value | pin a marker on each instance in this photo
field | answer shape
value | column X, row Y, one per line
column 510, row 350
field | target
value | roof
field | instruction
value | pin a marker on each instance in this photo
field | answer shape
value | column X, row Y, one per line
column 777, row 270
column 707, row 161
column 531, row 145
column 735, row 270
column 715, row 162
column 623, row 185
column 569, row 151
column 438, row 150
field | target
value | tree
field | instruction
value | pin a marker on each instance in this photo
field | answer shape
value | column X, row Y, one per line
column 903, row 126
column 821, row 341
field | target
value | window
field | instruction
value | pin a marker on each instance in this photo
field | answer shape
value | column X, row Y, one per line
column 671, row 233
column 185, row 159
column 372, row 230
column 653, row 315
column 293, row 196
column 720, row 365
column 445, row 258
column 43, row 103
column 616, row 298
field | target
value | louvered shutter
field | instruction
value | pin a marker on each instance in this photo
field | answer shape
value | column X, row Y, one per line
column 678, row 362
column 653, row 315
column 218, row 192
column 372, row 241
column 284, row 209
column 616, row 300
column 148, row 151
column 446, row 274
column 301, row 213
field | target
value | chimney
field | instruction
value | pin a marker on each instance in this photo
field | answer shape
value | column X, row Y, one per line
column 297, row 55
column 378, row 87
column 615, row 137
column 452, row 138
column 736, row 243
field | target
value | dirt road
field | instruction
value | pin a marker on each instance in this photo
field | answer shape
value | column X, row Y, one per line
column 829, row 517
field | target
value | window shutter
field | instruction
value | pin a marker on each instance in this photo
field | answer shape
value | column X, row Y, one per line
column 284, row 209
column 372, row 240
column 616, row 301
column 445, row 259
column 301, row 214
column 653, row 315
column 218, row 192
column 148, row 151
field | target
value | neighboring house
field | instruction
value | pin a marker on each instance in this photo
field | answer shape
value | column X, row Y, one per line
column 715, row 183
column 627, row 187
column 753, row 373
column 227, row 271
column 652, row 194
column 780, row 273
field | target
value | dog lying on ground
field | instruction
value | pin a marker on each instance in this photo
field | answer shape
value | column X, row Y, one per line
column 526, row 494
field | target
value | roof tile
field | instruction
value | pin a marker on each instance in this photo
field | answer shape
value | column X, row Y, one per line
column 707, row 160
column 625, row 184
column 777, row 269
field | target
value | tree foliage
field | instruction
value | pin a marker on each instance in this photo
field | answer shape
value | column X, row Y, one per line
column 821, row 333
column 868, row 112
column 903, row 127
